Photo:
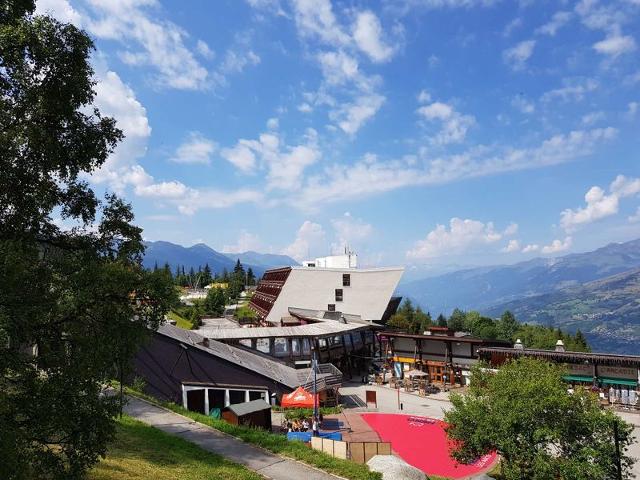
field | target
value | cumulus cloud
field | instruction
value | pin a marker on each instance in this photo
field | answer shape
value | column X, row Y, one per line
column 309, row 241
column 615, row 45
column 531, row 248
column 246, row 242
column 599, row 203
column 160, row 43
column 454, row 125
column 367, row 33
column 512, row 246
column 195, row 149
column 516, row 57
column 285, row 164
column 558, row 246
column 460, row 237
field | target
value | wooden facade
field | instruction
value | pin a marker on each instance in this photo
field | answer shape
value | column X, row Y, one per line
column 445, row 358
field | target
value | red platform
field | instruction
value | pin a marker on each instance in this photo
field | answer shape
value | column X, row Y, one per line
column 423, row 443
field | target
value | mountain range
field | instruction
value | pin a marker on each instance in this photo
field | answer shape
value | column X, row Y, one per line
column 595, row 291
column 200, row 254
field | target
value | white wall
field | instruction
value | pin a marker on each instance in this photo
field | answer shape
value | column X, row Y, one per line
column 314, row 288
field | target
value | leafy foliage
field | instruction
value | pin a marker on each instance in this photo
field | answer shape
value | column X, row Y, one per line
column 542, row 432
column 74, row 304
column 413, row 320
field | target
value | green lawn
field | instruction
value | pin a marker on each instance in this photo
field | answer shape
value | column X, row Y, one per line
column 143, row 452
column 180, row 321
column 276, row 444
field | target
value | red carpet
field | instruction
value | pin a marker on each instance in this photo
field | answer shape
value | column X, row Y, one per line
column 422, row 442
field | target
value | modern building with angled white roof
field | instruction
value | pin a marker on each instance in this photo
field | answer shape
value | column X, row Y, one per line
column 364, row 292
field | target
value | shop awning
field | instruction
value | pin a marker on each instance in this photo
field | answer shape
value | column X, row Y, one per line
column 578, row 378
column 618, row 381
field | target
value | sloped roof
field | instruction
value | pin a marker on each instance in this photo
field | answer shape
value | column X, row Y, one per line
column 246, row 408
column 262, row 365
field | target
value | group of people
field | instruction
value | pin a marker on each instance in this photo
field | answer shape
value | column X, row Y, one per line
column 303, row 425
column 298, row 426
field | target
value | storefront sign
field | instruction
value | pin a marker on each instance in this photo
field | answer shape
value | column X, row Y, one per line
column 618, row 372
column 580, row 369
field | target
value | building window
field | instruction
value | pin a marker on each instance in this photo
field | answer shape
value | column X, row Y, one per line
column 338, row 294
column 331, row 307
column 346, row 279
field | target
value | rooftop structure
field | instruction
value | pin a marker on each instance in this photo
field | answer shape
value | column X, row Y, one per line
column 363, row 292
column 348, row 260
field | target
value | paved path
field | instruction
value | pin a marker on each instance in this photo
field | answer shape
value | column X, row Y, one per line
column 265, row 463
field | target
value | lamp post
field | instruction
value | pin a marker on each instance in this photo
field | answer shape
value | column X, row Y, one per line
column 314, row 365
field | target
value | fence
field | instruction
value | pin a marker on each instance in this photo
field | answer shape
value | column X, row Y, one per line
column 359, row 452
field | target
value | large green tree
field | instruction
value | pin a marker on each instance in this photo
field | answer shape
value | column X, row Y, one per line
column 75, row 302
column 542, row 432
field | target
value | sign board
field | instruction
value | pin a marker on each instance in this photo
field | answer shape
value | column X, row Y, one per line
column 618, row 372
column 371, row 397
column 580, row 369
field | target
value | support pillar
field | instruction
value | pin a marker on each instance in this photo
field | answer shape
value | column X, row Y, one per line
column 184, row 397
column 227, row 400
column 246, row 396
column 206, row 401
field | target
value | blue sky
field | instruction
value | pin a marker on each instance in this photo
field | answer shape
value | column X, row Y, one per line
column 422, row 132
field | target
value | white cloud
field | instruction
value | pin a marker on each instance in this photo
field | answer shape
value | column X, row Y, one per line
column 305, row 108
column 161, row 43
column 61, row 10
column 516, row 57
column 367, row 33
column 241, row 156
column 423, row 97
column 635, row 218
column 593, row 117
column 204, row 50
column 572, row 90
column 632, row 109
column 215, row 199
column 369, row 176
column 116, row 99
column 285, row 164
column 196, row 149
column 309, row 241
column 246, row 242
column 523, row 104
column 350, row 231
column 512, row 246
column 273, row 123
column 615, row 45
column 352, row 116
column 599, row 204
column 460, row 237
column 531, row 248
column 338, row 67
column 559, row 20
column 558, row 246
column 511, row 26
column 315, row 19
column 164, row 190
column 235, row 61
column 454, row 125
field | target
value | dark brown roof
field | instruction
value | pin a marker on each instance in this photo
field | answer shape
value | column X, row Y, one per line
column 445, row 338
column 563, row 357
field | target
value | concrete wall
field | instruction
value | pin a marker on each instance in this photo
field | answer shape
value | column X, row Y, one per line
column 314, row 288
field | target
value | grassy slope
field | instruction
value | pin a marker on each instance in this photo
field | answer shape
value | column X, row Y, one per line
column 144, row 452
column 180, row 321
column 277, row 444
